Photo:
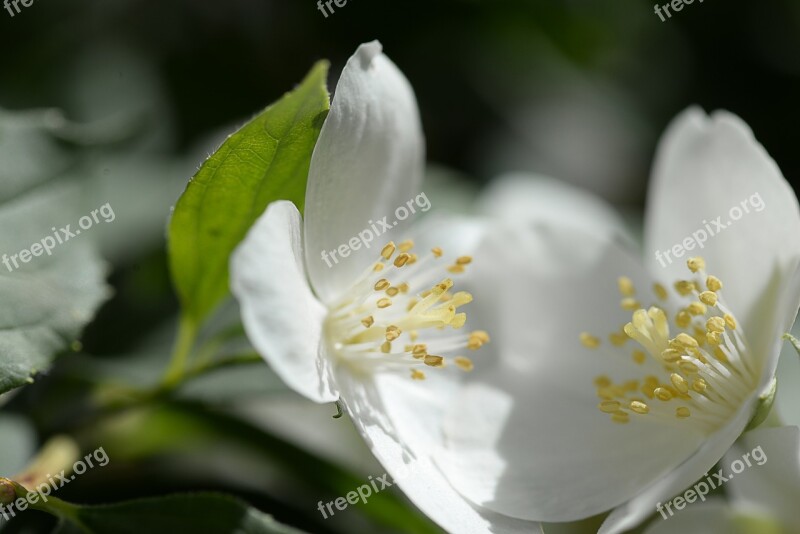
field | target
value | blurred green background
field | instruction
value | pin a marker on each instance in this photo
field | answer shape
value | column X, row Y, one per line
column 579, row 90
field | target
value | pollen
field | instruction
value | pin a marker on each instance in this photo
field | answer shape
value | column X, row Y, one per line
column 388, row 250
column 626, row 287
column 403, row 315
column 465, row 364
column 589, row 341
column 699, row 362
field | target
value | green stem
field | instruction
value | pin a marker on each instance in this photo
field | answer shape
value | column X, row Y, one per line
column 38, row 501
column 187, row 333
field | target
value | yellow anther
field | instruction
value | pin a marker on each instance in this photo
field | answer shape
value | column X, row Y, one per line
column 700, row 335
column 639, row 357
column 671, row 355
column 686, row 340
column 403, row 287
column 464, row 260
column 368, row 321
column 714, row 338
column 434, row 361
column 417, row 375
column 384, row 303
column 378, row 267
column 683, row 319
column 713, row 283
column 589, row 341
column 679, row 383
column 455, row 269
column 602, row 381
column 406, row 245
column 629, row 304
column 639, row 407
column 626, row 287
column 437, row 252
column 688, row 367
column 699, row 385
column 709, row 298
column 696, row 264
column 479, row 338
column 413, row 335
column 401, row 259
column 465, row 364
column 696, row 308
column 459, row 320
column 660, row 291
column 715, row 324
column 412, row 259
column 461, row 298
column 621, row 418
column 392, row 333
column 618, row 338
column 388, row 250
column 682, row 412
column 392, row 291
column 386, row 347
column 609, row 406
column 663, row 394
column 684, row 287
column 730, row 321
column 382, row 284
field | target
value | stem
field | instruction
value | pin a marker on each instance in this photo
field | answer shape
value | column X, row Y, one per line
column 187, row 332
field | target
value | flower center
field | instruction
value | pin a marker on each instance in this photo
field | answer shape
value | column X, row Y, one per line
column 699, row 376
column 394, row 316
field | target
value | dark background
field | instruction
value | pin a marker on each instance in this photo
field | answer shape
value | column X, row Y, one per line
column 473, row 64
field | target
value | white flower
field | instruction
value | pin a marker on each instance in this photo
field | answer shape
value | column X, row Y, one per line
column 371, row 327
column 762, row 494
column 577, row 418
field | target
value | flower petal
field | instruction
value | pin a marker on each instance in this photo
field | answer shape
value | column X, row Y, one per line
column 710, row 171
column 530, row 197
column 401, row 422
column 368, row 161
column 637, row 509
column 771, row 484
column 516, row 437
column 282, row 318
column 712, row 517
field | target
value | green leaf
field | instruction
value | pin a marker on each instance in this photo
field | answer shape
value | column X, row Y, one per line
column 202, row 512
column 30, row 153
column 191, row 429
column 266, row 160
column 44, row 303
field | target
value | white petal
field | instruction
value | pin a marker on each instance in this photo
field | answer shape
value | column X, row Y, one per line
column 282, row 318
column 771, row 484
column 525, row 438
column 637, row 509
column 527, row 197
column 368, row 162
column 712, row 517
column 710, row 167
column 401, row 422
